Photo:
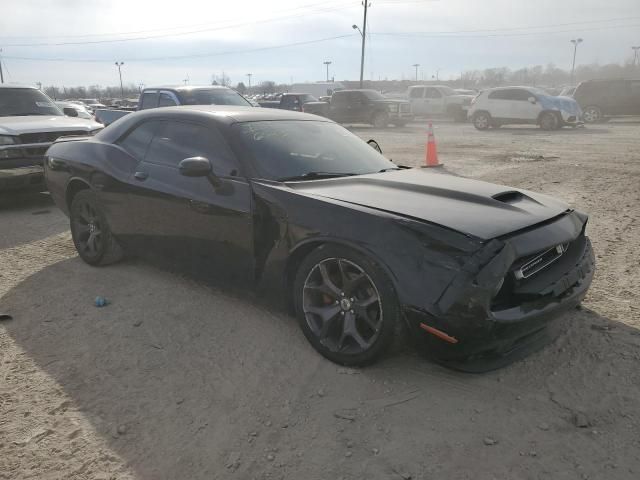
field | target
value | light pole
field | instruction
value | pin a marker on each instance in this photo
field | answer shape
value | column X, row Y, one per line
column 635, row 55
column 119, row 65
column 416, row 65
column 249, row 77
column 327, row 63
column 437, row 75
column 576, row 42
column 363, row 34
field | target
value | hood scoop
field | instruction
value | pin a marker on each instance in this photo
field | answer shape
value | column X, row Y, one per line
column 513, row 197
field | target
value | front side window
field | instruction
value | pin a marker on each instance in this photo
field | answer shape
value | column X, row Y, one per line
column 175, row 141
column 416, row 93
column 137, row 140
column 17, row 102
column 433, row 93
column 149, row 100
column 166, row 100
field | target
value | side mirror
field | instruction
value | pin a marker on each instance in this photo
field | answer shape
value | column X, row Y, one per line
column 532, row 100
column 373, row 144
column 70, row 112
column 195, row 167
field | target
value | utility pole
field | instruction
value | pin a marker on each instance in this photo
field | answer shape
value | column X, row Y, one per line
column 249, row 76
column 635, row 56
column 363, row 33
column 327, row 63
column 576, row 42
column 119, row 65
column 416, row 65
column 1, row 74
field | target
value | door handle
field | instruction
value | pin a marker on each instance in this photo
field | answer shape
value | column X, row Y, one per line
column 140, row 176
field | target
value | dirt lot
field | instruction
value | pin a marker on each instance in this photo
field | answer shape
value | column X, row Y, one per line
column 180, row 379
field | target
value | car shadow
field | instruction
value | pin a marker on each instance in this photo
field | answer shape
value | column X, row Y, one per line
column 21, row 200
column 181, row 379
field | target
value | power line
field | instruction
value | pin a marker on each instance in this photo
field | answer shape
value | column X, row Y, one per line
column 135, row 32
column 175, row 34
column 179, row 57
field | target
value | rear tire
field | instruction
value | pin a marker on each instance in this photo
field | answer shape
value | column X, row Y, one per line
column 90, row 231
column 380, row 120
column 482, row 120
column 346, row 305
column 592, row 114
column 549, row 121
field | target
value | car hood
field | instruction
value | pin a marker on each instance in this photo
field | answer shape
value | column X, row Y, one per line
column 480, row 209
column 565, row 104
column 37, row 123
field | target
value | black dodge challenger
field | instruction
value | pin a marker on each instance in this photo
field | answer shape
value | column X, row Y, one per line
column 354, row 243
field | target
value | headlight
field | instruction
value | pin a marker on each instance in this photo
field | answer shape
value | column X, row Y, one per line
column 7, row 140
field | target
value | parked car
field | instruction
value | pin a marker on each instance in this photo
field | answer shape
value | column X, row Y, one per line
column 602, row 99
column 173, row 96
column 29, row 123
column 523, row 105
column 439, row 100
column 74, row 110
column 362, row 106
column 289, row 101
column 567, row 91
column 356, row 244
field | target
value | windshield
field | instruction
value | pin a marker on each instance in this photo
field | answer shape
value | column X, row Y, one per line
column 373, row 95
column 214, row 96
column 290, row 148
column 25, row 102
column 307, row 98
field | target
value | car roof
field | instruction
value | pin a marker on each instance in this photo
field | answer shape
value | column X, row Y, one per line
column 8, row 85
column 188, row 88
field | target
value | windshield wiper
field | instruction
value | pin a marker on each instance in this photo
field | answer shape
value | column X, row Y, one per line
column 315, row 176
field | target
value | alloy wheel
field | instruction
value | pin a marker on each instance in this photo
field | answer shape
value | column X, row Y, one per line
column 342, row 306
column 88, row 230
column 592, row 114
column 481, row 121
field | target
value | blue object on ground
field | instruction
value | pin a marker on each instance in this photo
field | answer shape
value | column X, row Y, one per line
column 100, row 301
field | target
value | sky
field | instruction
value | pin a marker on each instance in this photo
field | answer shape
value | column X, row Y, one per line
column 77, row 42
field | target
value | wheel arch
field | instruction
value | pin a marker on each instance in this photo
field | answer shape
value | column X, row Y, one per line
column 304, row 248
column 74, row 186
column 554, row 112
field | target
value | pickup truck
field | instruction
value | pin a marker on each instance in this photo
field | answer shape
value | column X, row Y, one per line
column 362, row 106
column 172, row 96
column 439, row 100
column 289, row 101
column 29, row 123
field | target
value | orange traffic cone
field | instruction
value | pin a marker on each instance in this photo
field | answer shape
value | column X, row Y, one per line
column 432, row 151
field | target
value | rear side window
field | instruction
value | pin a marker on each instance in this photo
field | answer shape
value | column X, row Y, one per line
column 137, row 140
column 149, row 100
column 290, row 101
column 339, row 98
column 175, row 141
column 166, row 101
column 433, row 93
column 510, row 94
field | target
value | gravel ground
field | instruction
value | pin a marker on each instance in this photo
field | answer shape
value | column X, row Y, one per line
column 182, row 379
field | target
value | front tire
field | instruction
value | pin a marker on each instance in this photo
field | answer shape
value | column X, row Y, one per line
column 380, row 120
column 592, row 114
column 482, row 120
column 90, row 231
column 346, row 305
column 549, row 121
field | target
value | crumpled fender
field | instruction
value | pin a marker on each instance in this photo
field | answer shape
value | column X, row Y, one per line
column 479, row 276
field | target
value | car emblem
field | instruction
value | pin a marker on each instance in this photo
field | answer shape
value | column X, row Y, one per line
column 541, row 261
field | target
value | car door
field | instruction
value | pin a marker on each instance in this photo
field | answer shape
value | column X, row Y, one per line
column 498, row 104
column 193, row 219
column 524, row 105
column 339, row 107
column 416, row 97
column 634, row 97
column 434, row 101
column 361, row 109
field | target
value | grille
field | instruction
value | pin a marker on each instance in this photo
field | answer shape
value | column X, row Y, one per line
column 404, row 108
column 46, row 137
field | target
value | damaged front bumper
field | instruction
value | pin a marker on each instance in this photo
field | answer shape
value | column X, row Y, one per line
column 488, row 316
column 21, row 166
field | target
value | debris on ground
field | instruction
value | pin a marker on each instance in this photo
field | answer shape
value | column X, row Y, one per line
column 100, row 301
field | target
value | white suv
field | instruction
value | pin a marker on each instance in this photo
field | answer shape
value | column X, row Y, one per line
column 523, row 105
